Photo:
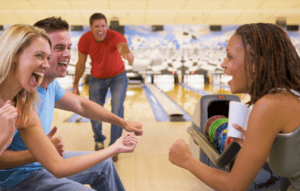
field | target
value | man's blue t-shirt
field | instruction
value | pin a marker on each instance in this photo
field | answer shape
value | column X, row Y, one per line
column 11, row 177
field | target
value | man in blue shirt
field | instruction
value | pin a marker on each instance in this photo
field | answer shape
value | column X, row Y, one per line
column 20, row 171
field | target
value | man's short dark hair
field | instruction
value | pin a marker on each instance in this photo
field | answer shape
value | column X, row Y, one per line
column 97, row 16
column 52, row 24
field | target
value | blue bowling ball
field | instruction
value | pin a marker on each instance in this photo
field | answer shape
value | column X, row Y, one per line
column 218, row 131
column 222, row 140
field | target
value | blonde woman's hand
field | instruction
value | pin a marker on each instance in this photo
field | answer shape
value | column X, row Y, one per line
column 8, row 115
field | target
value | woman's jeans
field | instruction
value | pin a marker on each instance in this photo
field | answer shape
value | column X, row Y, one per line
column 103, row 176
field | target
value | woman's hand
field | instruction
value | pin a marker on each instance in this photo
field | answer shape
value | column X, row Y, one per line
column 8, row 114
column 179, row 153
column 243, row 131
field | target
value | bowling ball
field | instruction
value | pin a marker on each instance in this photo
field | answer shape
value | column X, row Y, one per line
column 223, row 137
column 228, row 141
column 209, row 122
column 218, row 131
column 214, row 126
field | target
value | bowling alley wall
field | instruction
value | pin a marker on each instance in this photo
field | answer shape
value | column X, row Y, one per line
column 180, row 49
column 173, row 49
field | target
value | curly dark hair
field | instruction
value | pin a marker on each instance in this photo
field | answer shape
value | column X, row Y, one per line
column 52, row 24
column 272, row 60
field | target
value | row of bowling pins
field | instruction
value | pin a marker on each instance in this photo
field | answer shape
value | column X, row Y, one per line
column 165, row 87
column 165, row 82
column 163, row 78
column 194, row 80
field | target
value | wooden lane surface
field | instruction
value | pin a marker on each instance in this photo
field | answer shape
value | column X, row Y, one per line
column 148, row 167
column 187, row 99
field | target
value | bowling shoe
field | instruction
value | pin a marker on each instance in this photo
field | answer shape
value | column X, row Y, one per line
column 115, row 158
column 99, row 146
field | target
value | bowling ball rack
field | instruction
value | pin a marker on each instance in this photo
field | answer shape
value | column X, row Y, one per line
column 220, row 159
column 206, row 107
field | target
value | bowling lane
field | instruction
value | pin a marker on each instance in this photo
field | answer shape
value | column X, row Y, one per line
column 148, row 167
column 154, row 171
column 187, row 99
column 213, row 89
column 137, row 107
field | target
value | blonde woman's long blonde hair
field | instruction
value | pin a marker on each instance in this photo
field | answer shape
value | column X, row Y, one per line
column 12, row 42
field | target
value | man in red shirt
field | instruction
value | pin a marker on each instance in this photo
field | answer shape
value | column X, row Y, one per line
column 105, row 48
